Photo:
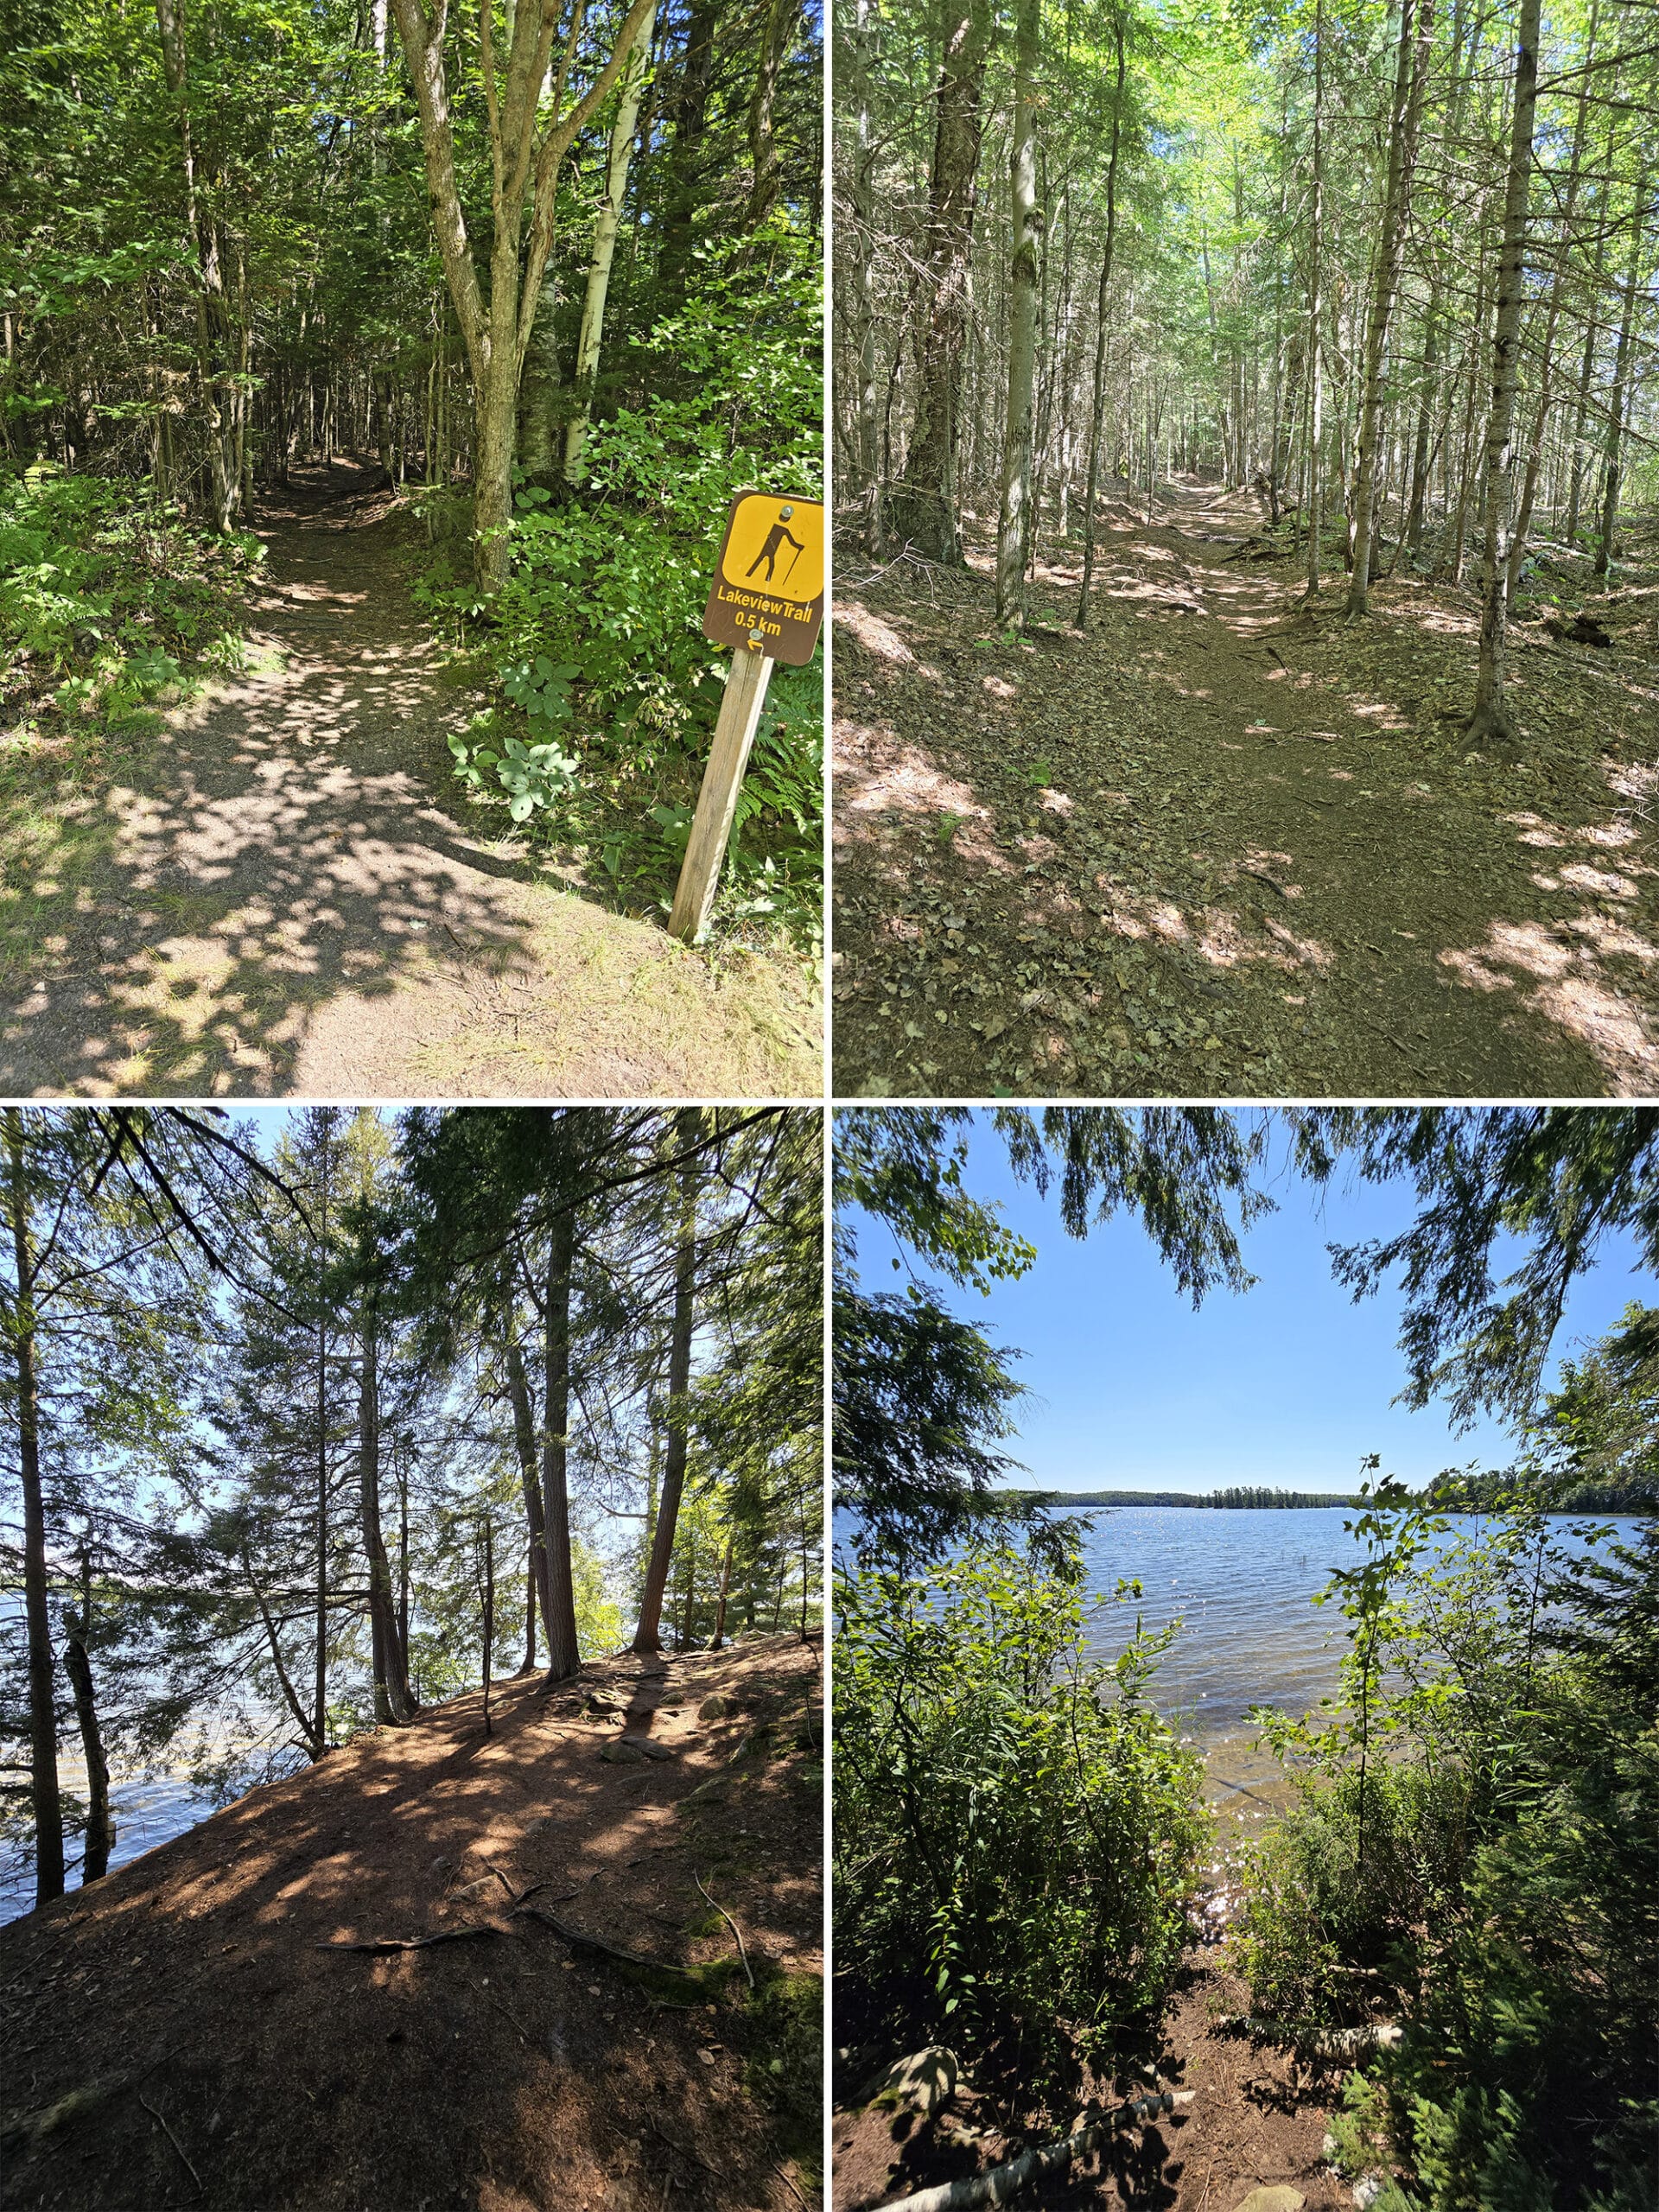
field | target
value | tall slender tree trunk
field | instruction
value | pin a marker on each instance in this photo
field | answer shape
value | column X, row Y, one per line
column 648, row 1633
column 523, row 1435
column 1586, row 374
column 719, row 1635
column 529, row 1666
column 487, row 1593
column 42, row 1716
column 923, row 506
column 392, row 1704
column 1491, row 721
column 564, row 1651
column 77, row 1664
column 605, row 229
column 1315, row 338
column 1411, row 72
column 217, row 396
column 525, row 159
column 320, row 1662
column 1102, row 303
column 859, row 247
column 1547, row 351
column 1612, row 467
column 777, row 28
column 1013, row 521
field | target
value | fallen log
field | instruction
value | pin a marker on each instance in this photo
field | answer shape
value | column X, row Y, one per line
column 1337, row 2043
column 1003, row 2181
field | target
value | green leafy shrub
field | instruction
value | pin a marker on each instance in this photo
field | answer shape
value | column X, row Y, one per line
column 1479, row 1858
column 598, row 631
column 105, row 596
column 1017, row 1832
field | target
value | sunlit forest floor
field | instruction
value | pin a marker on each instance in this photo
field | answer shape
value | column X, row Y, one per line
column 196, row 2029
column 275, row 887
column 1225, row 845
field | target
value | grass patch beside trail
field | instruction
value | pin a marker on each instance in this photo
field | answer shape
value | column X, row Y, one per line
column 742, row 1024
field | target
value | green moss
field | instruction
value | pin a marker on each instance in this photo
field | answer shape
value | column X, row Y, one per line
column 780, row 2032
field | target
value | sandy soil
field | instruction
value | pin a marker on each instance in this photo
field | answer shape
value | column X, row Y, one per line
column 1221, row 845
column 280, row 892
column 186, row 2030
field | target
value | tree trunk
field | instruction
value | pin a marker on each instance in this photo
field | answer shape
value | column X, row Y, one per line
column 529, row 1666
column 1315, row 337
column 718, row 1636
column 1011, row 521
column 605, row 230
column 391, row 1699
column 1492, row 722
column 77, row 1663
column 488, row 1594
column 524, row 171
column 559, row 1601
column 859, row 247
column 524, row 1436
column 648, row 1635
column 319, row 1667
column 314, row 1748
column 923, row 508
column 42, row 1716
column 1097, row 405
column 217, row 397
column 1411, row 72
column 1547, row 361
column 1613, row 467
column 777, row 28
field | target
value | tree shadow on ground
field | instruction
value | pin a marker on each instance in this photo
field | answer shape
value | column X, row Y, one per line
column 191, row 2029
column 1220, row 845
column 272, row 892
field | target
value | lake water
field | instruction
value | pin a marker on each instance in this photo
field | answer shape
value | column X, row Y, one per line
column 1242, row 1584
column 146, row 1814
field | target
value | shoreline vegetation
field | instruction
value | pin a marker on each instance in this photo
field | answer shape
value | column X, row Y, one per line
column 1423, row 1978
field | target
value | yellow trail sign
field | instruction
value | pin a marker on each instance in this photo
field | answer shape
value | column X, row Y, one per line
column 768, row 587
column 767, row 605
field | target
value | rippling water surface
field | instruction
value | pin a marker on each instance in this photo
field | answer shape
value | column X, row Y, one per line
column 146, row 1814
column 1242, row 1584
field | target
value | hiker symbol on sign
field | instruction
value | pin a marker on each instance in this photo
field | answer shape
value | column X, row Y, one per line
column 776, row 538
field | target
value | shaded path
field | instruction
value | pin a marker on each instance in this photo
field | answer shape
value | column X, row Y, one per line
column 1223, row 845
column 277, row 893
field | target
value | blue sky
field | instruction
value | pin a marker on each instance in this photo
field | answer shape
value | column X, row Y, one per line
column 1290, row 1384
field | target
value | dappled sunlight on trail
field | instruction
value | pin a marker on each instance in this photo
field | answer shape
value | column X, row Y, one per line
column 1225, row 843
column 273, row 893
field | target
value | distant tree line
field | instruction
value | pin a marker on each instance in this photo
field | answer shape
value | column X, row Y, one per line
column 1238, row 1495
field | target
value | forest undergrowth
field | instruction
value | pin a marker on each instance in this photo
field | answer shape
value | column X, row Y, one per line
column 1229, row 842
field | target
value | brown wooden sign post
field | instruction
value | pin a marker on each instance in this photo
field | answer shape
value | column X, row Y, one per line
column 767, row 605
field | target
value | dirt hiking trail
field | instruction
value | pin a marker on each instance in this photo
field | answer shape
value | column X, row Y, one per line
column 279, row 893
column 192, row 2029
column 1225, row 844
column 1257, row 2120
